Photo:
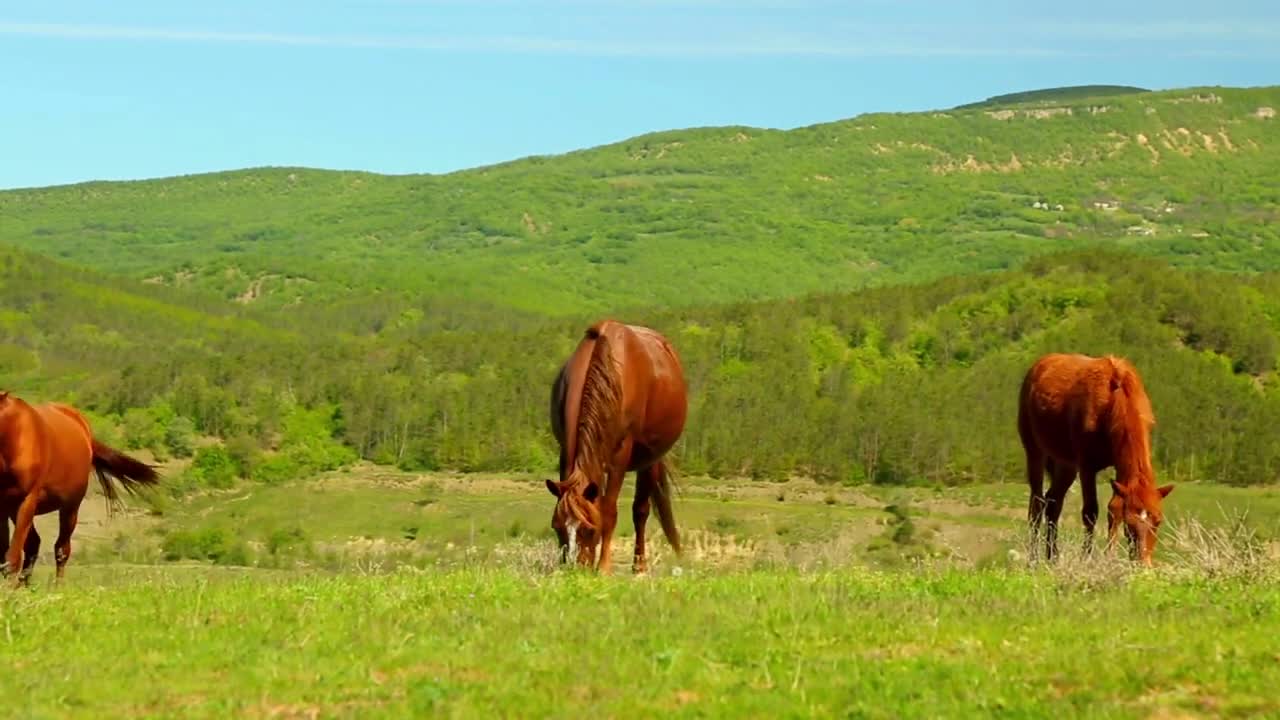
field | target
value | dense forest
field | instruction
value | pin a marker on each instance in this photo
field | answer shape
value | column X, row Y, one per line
column 908, row 384
column 696, row 217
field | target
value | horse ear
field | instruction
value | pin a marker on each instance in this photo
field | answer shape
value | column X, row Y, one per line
column 1114, row 384
column 1164, row 491
column 1118, row 489
column 591, row 492
column 554, row 488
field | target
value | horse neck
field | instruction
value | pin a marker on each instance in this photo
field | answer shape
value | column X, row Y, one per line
column 1130, row 444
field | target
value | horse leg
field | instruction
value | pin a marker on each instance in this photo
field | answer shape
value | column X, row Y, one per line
column 62, row 547
column 1060, row 481
column 23, row 524
column 4, row 541
column 30, row 551
column 1089, row 513
column 646, row 480
column 609, row 521
column 1115, row 512
column 609, row 505
column 1035, row 509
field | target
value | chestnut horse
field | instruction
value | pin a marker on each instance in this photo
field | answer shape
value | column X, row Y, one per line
column 1078, row 413
column 618, row 404
column 46, row 453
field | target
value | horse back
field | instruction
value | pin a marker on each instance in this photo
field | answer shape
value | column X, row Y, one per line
column 1063, row 406
column 656, row 386
column 69, row 432
column 76, row 417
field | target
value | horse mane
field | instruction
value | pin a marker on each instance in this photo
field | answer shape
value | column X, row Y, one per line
column 600, row 411
column 1131, row 418
column 598, row 427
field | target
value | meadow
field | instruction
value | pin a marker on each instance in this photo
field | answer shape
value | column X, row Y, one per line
column 505, row 643
column 376, row 593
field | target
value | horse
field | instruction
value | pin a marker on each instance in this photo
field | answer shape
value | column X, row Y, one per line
column 46, row 453
column 618, row 404
column 1078, row 413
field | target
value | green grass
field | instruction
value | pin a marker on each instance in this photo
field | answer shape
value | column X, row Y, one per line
column 843, row 614
column 470, row 643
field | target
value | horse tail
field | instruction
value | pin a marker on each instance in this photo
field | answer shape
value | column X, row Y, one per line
column 112, row 465
column 666, row 482
column 1024, row 409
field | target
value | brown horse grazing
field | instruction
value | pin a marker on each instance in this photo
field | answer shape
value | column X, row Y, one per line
column 618, row 404
column 1080, row 413
column 46, row 453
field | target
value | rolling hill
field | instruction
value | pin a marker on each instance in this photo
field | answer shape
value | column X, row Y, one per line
column 699, row 216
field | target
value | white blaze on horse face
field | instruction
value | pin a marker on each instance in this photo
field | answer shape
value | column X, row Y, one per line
column 572, row 528
column 1142, row 516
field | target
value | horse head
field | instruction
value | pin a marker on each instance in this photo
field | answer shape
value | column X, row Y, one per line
column 1138, row 507
column 575, row 517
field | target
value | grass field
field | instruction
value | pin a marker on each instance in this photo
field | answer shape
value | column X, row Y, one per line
column 381, row 594
column 507, row 643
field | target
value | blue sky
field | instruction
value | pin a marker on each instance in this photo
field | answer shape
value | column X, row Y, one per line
column 147, row 88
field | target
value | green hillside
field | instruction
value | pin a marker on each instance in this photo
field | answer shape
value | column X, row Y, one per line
column 700, row 216
column 894, row 385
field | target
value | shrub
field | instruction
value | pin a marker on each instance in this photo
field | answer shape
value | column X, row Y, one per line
column 214, row 544
column 214, row 467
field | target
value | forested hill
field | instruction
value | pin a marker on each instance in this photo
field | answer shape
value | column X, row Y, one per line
column 893, row 385
column 1055, row 95
column 700, row 216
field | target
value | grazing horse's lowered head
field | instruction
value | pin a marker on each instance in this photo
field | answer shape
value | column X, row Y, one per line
column 1138, row 507
column 576, row 517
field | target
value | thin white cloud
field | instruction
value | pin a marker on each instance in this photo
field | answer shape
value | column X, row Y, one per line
column 910, row 42
column 735, row 5
column 1219, row 29
column 763, row 46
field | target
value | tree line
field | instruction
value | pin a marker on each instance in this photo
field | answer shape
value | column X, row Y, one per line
column 910, row 384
